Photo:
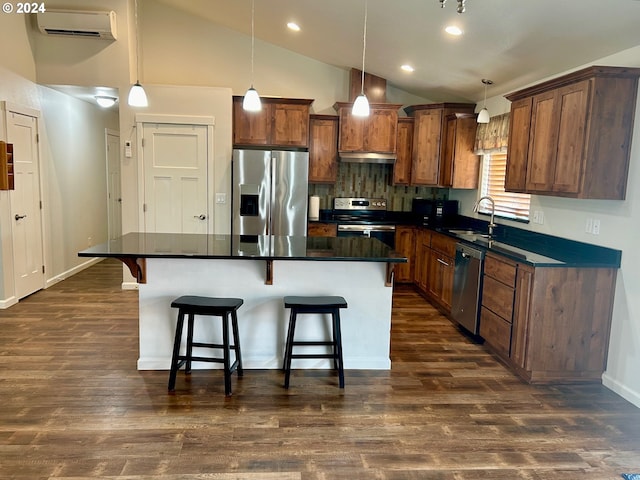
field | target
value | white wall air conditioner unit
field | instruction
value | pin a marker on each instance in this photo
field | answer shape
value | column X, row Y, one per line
column 74, row 23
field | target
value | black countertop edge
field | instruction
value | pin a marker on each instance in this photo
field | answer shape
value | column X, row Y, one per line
column 234, row 247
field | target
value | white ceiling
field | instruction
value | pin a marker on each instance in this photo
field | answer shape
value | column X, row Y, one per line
column 512, row 42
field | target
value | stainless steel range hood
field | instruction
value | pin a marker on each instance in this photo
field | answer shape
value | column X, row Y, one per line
column 362, row 157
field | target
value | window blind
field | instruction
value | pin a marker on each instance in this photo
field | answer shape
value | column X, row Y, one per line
column 508, row 204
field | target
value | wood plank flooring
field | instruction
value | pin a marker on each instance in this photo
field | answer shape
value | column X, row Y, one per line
column 73, row 407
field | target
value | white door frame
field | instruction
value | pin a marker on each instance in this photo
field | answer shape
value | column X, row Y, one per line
column 207, row 121
column 8, row 265
column 112, row 133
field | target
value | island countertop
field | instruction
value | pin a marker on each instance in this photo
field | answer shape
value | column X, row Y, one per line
column 133, row 248
column 257, row 247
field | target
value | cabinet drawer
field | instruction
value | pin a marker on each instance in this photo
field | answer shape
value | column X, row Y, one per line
column 443, row 244
column 495, row 331
column 322, row 229
column 500, row 270
column 497, row 297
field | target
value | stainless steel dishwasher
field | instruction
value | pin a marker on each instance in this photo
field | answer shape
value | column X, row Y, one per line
column 467, row 287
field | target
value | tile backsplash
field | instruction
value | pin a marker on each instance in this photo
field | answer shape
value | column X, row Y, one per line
column 373, row 181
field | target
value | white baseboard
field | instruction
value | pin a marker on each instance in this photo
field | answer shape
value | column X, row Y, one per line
column 622, row 390
column 130, row 286
column 7, row 302
column 72, row 271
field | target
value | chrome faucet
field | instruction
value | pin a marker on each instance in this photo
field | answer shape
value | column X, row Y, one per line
column 493, row 211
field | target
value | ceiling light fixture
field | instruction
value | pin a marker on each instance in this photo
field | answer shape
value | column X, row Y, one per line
column 461, row 5
column 361, row 105
column 293, row 26
column 251, row 101
column 137, row 95
column 407, row 68
column 105, row 101
column 453, row 30
column 483, row 116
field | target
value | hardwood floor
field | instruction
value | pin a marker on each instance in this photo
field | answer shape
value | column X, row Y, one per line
column 73, row 406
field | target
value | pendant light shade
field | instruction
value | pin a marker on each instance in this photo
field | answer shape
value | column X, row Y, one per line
column 251, row 101
column 483, row 115
column 361, row 105
column 137, row 96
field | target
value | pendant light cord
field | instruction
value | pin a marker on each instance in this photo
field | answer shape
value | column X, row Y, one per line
column 135, row 14
column 364, row 45
column 253, row 7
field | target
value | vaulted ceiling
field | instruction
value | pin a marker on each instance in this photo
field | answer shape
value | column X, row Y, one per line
column 512, row 42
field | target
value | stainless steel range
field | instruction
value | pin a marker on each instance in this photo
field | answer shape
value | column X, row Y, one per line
column 364, row 217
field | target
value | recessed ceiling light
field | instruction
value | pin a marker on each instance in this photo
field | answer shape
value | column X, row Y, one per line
column 407, row 68
column 293, row 26
column 453, row 30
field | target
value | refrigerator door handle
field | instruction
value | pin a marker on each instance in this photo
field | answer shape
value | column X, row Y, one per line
column 272, row 194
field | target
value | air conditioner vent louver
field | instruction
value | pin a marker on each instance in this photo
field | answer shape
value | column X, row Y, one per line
column 73, row 23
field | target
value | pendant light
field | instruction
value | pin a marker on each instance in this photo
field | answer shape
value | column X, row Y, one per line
column 251, row 101
column 361, row 105
column 137, row 95
column 483, row 116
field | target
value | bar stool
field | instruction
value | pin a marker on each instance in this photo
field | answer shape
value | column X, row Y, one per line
column 319, row 305
column 191, row 306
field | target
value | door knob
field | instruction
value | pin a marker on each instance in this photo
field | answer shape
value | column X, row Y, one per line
column 19, row 217
column 200, row 217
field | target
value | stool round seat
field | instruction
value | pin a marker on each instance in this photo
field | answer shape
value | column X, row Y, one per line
column 225, row 308
column 320, row 305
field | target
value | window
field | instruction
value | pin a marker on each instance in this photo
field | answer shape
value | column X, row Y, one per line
column 514, row 206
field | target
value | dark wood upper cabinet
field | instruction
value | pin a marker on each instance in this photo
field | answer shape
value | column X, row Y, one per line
column 376, row 133
column 323, row 148
column 404, row 147
column 443, row 139
column 571, row 136
column 282, row 122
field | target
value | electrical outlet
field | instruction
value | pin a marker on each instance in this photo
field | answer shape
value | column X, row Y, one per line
column 89, row 241
column 221, row 198
column 596, row 226
column 536, row 216
column 540, row 217
column 588, row 227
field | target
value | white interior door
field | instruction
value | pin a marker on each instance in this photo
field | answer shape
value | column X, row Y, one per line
column 114, row 195
column 175, row 178
column 28, row 261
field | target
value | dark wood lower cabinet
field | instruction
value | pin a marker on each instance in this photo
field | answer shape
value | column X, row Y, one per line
column 560, row 320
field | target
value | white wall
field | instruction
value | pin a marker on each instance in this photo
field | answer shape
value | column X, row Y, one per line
column 620, row 229
column 74, row 173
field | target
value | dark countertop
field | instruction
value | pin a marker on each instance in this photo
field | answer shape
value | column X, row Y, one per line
column 538, row 250
column 258, row 247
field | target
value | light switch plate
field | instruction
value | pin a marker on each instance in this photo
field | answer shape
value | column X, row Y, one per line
column 221, row 198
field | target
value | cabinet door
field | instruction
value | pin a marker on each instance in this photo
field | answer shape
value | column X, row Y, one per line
column 251, row 128
column 426, row 147
column 323, row 149
column 352, row 131
column 405, row 244
column 440, row 278
column 521, row 312
column 404, row 145
column 518, row 148
column 290, row 125
column 448, row 152
column 572, row 102
column 381, row 131
column 542, row 144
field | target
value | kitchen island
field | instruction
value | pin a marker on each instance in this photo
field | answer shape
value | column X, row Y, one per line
column 262, row 270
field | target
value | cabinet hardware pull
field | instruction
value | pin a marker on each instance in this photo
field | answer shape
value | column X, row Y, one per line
column 442, row 262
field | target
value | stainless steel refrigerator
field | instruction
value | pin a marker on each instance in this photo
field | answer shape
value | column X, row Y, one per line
column 270, row 192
